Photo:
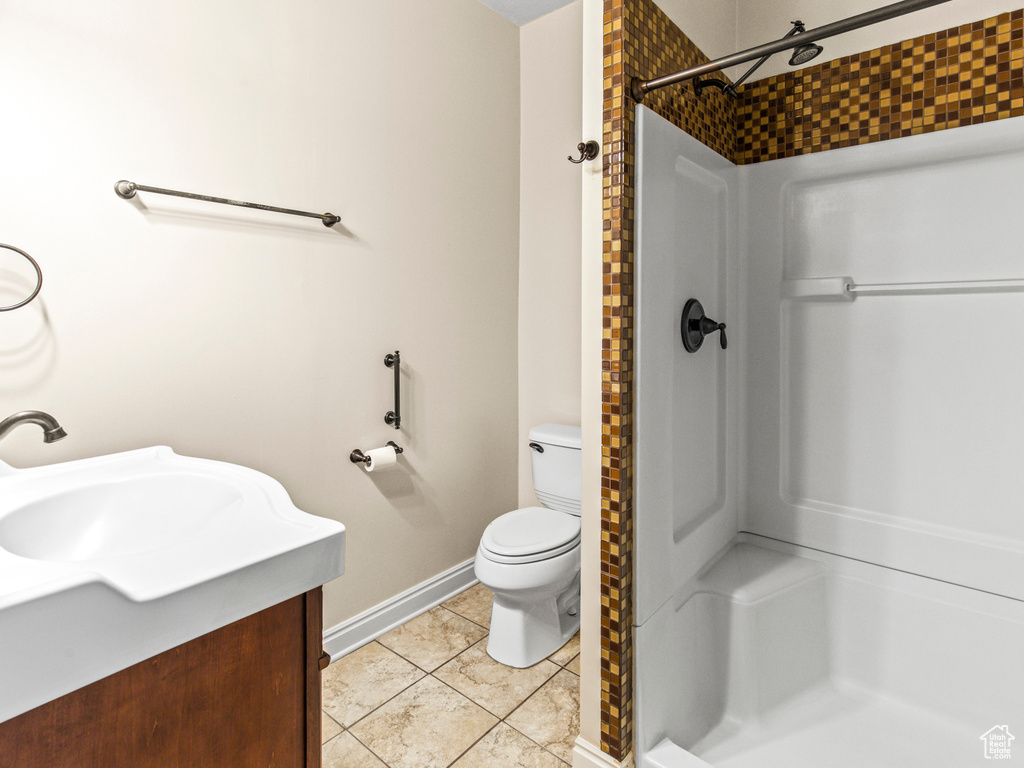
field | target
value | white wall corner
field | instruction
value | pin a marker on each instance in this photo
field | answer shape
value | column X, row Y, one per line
column 591, row 332
column 550, row 229
column 587, row 755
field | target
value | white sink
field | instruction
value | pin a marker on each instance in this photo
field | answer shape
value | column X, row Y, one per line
column 113, row 518
column 108, row 561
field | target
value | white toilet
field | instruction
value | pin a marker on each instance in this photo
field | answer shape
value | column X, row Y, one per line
column 530, row 558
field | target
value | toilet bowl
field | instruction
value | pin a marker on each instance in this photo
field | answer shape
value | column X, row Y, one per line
column 530, row 558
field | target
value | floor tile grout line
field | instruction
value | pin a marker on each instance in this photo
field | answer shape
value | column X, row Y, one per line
column 360, row 743
column 520, row 705
column 390, row 698
column 486, row 627
column 384, row 703
column 475, row 642
column 367, row 748
column 482, row 706
column 331, row 718
column 467, row 618
column 531, row 740
column 426, row 673
column 485, row 709
column 482, row 736
column 502, row 722
column 334, row 737
column 460, row 693
column 419, row 666
column 471, row 701
column 563, row 666
column 464, row 650
column 430, row 673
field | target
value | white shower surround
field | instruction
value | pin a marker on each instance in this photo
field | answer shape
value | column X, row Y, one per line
column 830, row 547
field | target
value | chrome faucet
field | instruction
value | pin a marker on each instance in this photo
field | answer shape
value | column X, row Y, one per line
column 52, row 431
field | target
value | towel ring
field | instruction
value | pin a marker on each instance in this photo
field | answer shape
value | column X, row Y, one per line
column 39, row 279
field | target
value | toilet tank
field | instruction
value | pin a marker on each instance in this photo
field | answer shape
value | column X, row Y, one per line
column 557, row 466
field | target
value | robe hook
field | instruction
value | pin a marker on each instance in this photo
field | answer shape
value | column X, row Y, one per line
column 588, row 151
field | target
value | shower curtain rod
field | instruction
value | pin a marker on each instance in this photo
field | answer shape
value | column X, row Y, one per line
column 640, row 88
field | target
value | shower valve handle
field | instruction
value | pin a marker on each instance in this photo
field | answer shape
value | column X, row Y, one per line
column 694, row 325
column 707, row 326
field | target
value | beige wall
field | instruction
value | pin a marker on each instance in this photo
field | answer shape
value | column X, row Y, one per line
column 560, row 289
column 711, row 26
column 258, row 338
column 549, row 230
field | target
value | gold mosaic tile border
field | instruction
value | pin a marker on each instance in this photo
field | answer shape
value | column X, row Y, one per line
column 959, row 76
column 638, row 40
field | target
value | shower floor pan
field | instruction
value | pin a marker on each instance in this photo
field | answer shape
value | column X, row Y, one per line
column 784, row 657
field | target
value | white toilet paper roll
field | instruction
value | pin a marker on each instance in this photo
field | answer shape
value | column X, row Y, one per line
column 381, row 459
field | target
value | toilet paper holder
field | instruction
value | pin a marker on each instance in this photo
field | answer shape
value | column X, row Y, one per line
column 358, row 457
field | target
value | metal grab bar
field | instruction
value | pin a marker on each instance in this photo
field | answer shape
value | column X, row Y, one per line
column 127, row 189
column 394, row 418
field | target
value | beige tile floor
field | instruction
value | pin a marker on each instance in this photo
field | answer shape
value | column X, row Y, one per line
column 427, row 695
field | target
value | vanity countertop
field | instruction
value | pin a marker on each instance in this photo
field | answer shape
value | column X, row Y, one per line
column 107, row 561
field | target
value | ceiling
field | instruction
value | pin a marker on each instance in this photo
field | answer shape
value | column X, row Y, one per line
column 522, row 11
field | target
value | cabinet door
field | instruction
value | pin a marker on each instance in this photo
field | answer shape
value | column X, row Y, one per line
column 247, row 694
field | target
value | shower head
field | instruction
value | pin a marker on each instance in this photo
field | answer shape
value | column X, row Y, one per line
column 801, row 55
column 730, row 89
column 804, row 53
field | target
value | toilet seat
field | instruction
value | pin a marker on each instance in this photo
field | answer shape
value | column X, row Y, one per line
column 530, row 534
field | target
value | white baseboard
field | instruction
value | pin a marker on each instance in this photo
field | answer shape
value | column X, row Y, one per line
column 369, row 625
column 587, row 755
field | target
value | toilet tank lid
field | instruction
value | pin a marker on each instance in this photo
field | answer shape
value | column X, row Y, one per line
column 557, row 434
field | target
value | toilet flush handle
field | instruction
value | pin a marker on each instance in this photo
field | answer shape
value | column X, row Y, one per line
column 537, row 447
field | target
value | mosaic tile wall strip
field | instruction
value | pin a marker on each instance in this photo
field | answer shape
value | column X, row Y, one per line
column 638, row 40
column 959, row 76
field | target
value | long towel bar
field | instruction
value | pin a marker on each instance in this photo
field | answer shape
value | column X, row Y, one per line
column 127, row 190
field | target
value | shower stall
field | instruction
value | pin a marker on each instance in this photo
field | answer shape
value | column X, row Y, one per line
column 829, row 512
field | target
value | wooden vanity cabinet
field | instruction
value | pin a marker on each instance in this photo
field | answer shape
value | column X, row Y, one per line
column 243, row 696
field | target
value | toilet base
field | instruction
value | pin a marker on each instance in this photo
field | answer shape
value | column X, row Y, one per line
column 524, row 633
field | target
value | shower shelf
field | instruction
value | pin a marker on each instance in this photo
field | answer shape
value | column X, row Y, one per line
column 845, row 289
